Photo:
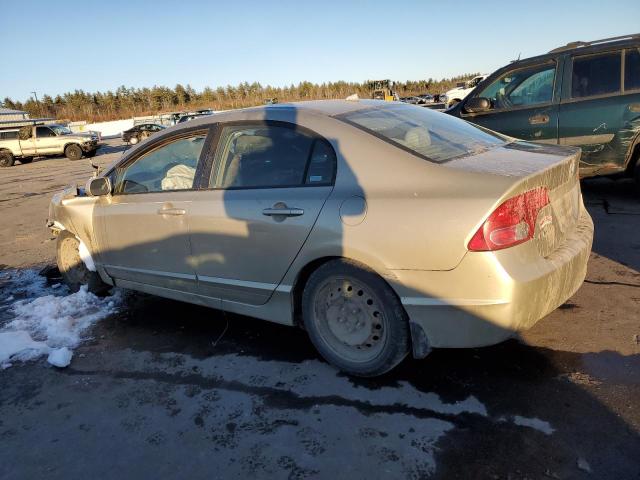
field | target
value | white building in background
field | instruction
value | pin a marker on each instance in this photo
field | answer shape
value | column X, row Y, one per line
column 8, row 115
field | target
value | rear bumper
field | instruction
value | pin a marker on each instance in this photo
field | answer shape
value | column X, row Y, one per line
column 491, row 296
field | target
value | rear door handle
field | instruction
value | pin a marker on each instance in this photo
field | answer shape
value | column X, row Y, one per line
column 539, row 119
column 172, row 211
column 284, row 212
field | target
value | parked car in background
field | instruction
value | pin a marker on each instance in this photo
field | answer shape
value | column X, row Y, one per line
column 45, row 140
column 140, row 132
column 381, row 227
column 585, row 94
column 456, row 95
column 193, row 116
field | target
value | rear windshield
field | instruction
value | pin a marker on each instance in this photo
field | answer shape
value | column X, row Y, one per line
column 435, row 136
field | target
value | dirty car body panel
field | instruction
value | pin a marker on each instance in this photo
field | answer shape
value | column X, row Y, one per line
column 401, row 192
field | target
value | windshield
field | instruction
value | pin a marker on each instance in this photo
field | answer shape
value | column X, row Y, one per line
column 60, row 130
column 435, row 136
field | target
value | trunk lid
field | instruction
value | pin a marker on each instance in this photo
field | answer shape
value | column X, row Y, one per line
column 531, row 166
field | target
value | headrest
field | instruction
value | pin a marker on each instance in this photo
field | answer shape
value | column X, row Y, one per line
column 418, row 138
column 252, row 144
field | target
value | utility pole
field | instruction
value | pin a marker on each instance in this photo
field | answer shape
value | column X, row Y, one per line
column 37, row 103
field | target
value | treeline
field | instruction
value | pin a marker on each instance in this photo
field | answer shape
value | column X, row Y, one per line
column 129, row 102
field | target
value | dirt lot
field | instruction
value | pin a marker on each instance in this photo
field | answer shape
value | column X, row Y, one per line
column 166, row 389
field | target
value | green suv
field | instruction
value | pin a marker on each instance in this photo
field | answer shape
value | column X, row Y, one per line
column 585, row 94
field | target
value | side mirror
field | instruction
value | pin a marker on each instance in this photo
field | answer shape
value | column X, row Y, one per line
column 477, row 104
column 99, row 186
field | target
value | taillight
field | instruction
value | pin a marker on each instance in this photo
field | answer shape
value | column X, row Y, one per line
column 512, row 223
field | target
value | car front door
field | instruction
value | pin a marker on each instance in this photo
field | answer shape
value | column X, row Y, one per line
column 268, row 183
column 523, row 103
column 46, row 141
column 143, row 226
column 593, row 111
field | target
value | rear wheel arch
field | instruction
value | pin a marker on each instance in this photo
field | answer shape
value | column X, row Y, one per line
column 306, row 271
column 633, row 157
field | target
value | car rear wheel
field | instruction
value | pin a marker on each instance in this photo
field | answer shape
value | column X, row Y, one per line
column 133, row 140
column 73, row 152
column 73, row 270
column 354, row 319
column 6, row 159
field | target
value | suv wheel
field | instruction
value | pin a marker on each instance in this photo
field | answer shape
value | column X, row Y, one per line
column 73, row 270
column 6, row 159
column 133, row 140
column 354, row 319
column 73, row 152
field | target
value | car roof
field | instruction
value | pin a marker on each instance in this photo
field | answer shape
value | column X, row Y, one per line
column 583, row 48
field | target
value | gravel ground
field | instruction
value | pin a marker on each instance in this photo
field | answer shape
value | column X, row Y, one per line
column 167, row 389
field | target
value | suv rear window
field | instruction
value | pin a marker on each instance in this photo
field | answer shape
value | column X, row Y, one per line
column 434, row 136
column 595, row 75
column 632, row 69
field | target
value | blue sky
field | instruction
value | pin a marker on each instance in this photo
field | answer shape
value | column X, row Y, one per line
column 53, row 47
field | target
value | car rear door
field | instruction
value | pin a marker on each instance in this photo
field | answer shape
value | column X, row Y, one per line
column 268, row 183
column 593, row 110
column 524, row 103
column 143, row 226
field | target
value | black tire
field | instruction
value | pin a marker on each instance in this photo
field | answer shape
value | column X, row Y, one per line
column 380, row 336
column 73, row 152
column 72, row 269
column 26, row 160
column 6, row 159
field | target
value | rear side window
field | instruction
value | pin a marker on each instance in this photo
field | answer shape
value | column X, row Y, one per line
column 632, row 69
column 9, row 135
column 431, row 135
column 595, row 75
column 262, row 156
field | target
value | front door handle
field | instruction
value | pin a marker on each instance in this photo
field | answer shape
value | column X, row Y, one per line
column 283, row 212
column 539, row 119
column 172, row 211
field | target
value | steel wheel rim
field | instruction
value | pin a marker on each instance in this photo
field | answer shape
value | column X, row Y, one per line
column 348, row 315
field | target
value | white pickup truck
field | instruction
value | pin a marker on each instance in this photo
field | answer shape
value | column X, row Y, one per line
column 45, row 140
column 457, row 94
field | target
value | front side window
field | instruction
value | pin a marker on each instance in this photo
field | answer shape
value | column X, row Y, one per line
column 61, row 130
column 522, row 88
column 632, row 69
column 421, row 131
column 171, row 166
column 261, row 156
column 43, row 132
column 595, row 75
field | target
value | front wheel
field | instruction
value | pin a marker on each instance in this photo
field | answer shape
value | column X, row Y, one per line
column 354, row 319
column 73, row 269
column 133, row 140
column 73, row 152
column 6, row 159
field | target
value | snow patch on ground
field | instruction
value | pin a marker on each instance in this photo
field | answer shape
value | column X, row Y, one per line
column 38, row 319
column 535, row 423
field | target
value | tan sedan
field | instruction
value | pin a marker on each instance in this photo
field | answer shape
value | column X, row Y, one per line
column 381, row 228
